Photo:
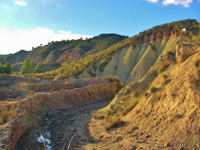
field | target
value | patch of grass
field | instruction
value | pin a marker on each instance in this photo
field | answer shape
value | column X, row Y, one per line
column 109, row 113
column 8, row 114
column 114, row 122
column 112, row 107
column 99, row 116
column 4, row 117
column 130, row 105
column 164, row 76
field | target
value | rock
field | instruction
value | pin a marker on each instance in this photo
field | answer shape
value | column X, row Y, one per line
column 182, row 53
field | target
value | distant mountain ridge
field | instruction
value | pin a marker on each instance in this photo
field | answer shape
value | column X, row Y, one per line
column 58, row 52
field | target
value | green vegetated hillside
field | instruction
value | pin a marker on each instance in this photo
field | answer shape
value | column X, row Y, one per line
column 54, row 54
column 130, row 59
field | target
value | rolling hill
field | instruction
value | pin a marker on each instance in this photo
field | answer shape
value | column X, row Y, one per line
column 54, row 54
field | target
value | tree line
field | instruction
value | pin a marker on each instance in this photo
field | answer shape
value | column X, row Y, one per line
column 26, row 68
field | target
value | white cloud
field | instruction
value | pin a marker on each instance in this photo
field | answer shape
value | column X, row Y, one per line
column 153, row 1
column 20, row 3
column 185, row 3
column 13, row 41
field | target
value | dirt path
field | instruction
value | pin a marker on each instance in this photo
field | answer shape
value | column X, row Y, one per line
column 58, row 127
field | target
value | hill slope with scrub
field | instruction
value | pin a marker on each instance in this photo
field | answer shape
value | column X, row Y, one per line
column 52, row 55
column 130, row 59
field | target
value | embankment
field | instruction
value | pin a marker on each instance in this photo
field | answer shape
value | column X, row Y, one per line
column 29, row 107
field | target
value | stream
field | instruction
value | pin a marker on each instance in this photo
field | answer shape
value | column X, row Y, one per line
column 57, row 127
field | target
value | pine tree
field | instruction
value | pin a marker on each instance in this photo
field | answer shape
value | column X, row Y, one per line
column 1, row 68
column 7, row 68
column 27, row 67
column 38, row 69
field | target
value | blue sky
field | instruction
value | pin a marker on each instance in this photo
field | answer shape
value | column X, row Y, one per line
column 28, row 23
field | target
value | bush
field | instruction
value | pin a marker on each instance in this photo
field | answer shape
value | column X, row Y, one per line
column 8, row 114
column 153, row 89
column 114, row 122
column 4, row 117
column 130, row 106
column 7, row 68
column 99, row 116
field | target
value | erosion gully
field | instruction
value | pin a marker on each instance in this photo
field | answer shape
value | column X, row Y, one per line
column 58, row 127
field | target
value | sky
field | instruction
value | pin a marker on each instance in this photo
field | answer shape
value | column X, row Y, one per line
column 28, row 23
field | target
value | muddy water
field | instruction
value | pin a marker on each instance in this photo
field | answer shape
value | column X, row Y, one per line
column 57, row 127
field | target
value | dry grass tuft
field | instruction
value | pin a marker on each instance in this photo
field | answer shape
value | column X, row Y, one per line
column 99, row 116
column 4, row 117
column 8, row 114
column 130, row 104
column 114, row 122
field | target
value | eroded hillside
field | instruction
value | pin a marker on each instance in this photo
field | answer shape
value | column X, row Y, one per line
column 166, row 116
column 130, row 59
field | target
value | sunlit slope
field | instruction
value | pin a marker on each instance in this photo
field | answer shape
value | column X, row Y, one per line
column 132, row 61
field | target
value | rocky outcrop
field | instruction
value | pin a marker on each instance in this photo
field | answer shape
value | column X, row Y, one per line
column 182, row 53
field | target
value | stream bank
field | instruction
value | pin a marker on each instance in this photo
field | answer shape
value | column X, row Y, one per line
column 58, row 127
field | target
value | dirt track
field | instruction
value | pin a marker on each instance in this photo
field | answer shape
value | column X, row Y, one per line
column 58, row 127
